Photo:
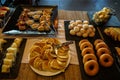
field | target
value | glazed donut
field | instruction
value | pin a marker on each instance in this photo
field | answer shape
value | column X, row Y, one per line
column 82, row 41
column 101, row 45
column 87, row 50
column 86, row 45
column 98, row 41
column 91, row 67
column 101, row 51
column 88, row 57
column 106, row 60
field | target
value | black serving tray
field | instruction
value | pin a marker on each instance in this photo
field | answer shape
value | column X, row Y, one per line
column 11, row 28
column 111, row 42
column 112, row 21
column 15, row 68
column 111, row 73
column 73, row 37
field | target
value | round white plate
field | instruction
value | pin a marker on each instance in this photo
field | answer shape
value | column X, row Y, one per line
column 48, row 73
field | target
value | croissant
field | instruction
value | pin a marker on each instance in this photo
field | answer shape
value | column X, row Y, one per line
column 113, row 32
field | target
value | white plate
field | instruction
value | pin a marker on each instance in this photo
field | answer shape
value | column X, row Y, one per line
column 48, row 73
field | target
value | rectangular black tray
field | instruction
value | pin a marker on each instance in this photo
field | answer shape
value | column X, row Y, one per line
column 110, row 41
column 111, row 73
column 11, row 28
column 15, row 68
column 71, row 37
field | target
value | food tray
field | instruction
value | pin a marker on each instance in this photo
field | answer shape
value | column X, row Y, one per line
column 111, row 42
column 15, row 69
column 111, row 73
column 71, row 37
column 12, row 29
column 113, row 21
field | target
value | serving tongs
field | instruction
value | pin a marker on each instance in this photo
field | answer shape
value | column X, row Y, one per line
column 56, row 47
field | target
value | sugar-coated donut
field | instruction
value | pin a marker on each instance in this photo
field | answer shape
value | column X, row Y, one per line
column 91, row 67
column 88, row 57
column 98, row 41
column 106, row 60
column 86, row 45
column 87, row 51
column 101, row 51
column 101, row 45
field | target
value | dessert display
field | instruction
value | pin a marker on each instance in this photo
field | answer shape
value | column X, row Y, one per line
column 39, row 20
column 10, row 55
column 81, row 28
column 91, row 66
column 45, row 58
column 113, row 32
column 102, row 16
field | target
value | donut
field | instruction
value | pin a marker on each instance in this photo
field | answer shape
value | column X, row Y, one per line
column 91, row 67
column 87, row 51
column 86, row 45
column 82, row 41
column 106, row 60
column 101, row 51
column 101, row 45
column 98, row 41
column 88, row 57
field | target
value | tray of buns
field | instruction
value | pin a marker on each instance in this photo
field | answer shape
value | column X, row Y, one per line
column 79, row 29
column 32, row 20
column 11, row 52
column 93, row 60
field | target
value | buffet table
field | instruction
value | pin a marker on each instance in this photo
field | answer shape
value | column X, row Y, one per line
column 72, row 72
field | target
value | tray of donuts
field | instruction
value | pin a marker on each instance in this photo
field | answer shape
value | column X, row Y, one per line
column 11, row 51
column 79, row 29
column 96, row 60
column 32, row 20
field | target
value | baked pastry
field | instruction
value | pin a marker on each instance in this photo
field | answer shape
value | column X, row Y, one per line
column 113, row 32
column 43, row 57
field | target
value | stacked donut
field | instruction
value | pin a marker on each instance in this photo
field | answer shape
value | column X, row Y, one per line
column 103, row 53
column 91, row 66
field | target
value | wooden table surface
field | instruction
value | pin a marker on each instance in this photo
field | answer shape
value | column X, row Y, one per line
column 72, row 72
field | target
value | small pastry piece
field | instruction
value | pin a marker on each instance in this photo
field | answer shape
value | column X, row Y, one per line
column 18, row 41
column 76, row 29
column 30, row 14
column 5, row 69
column 72, row 32
column 38, row 12
column 85, row 26
column 12, row 50
column 7, row 62
column 40, row 28
column 78, row 22
column 85, row 22
column 36, row 17
column 35, row 26
column 10, row 56
column 29, row 22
